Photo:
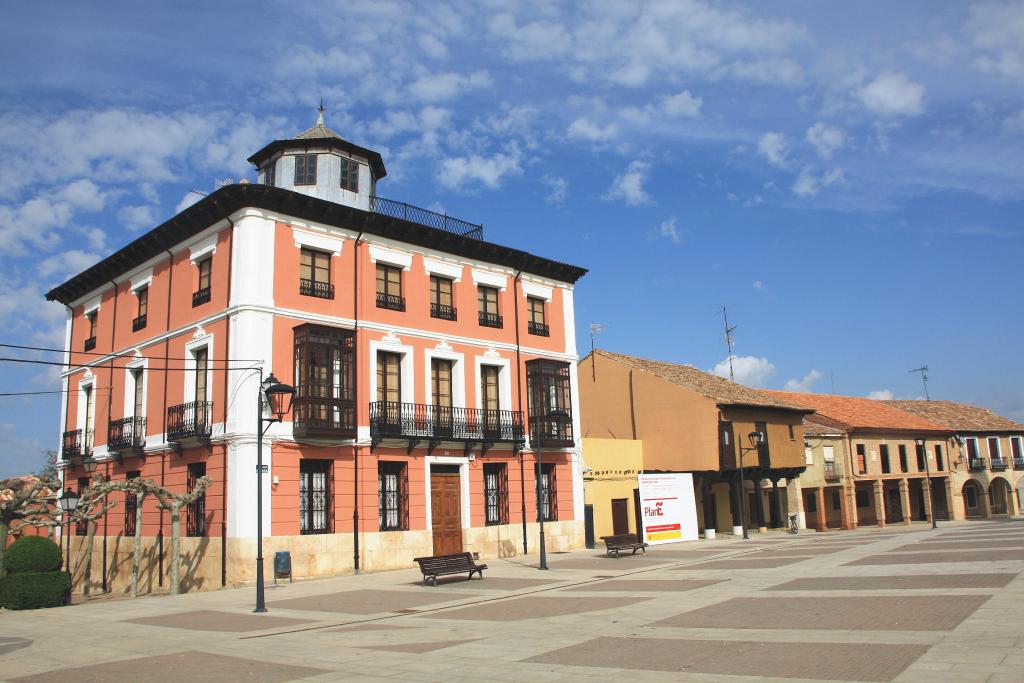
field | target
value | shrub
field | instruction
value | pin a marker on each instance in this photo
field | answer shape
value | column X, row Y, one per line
column 34, row 590
column 32, row 554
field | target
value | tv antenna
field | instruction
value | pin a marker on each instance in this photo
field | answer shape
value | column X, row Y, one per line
column 729, row 341
column 595, row 329
column 924, row 379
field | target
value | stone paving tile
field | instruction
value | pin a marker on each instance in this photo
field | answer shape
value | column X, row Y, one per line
column 211, row 620
column 195, row 667
column 622, row 564
column 738, row 658
column 371, row 627
column 865, row 613
column 746, row 562
column 901, row 582
column 937, row 557
column 681, row 554
column 666, row 585
column 806, row 551
column 532, row 607
column 492, row 583
column 417, row 648
column 959, row 545
column 370, row 601
column 12, row 643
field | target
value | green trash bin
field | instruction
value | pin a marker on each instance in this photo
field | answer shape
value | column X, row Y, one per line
column 282, row 565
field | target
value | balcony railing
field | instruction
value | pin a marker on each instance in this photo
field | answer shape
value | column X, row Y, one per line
column 126, row 434
column 324, row 411
column 832, row 471
column 553, row 429
column 414, row 214
column 1018, row 463
column 392, row 302
column 321, row 290
column 976, row 464
column 539, row 329
column 201, row 297
column 190, row 420
column 998, row 465
column 139, row 323
column 443, row 312
column 421, row 422
column 72, row 446
column 490, row 320
column 90, row 344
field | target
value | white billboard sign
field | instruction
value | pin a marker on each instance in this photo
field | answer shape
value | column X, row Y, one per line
column 668, row 508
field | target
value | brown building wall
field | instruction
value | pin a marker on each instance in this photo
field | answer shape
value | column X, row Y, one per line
column 785, row 434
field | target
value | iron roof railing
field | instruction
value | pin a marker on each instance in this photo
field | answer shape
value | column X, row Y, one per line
column 432, row 219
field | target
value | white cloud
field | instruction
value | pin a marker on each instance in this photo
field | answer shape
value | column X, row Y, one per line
column 585, row 129
column 682, row 104
column 893, row 94
column 774, row 148
column 67, row 264
column 141, row 217
column 880, row 395
column 459, row 172
column 558, row 189
column 995, row 30
column 190, row 198
column 825, row 139
column 750, row 371
column 759, row 285
column 444, row 86
column 807, row 184
column 629, row 186
column 804, row 384
column 670, row 230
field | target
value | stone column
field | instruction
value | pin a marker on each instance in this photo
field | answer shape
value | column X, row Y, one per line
column 850, row 520
column 736, row 511
column 705, row 493
column 819, row 495
column 1011, row 504
column 954, row 502
column 928, row 503
column 880, row 502
column 759, row 507
column 795, row 500
column 844, row 509
column 905, row 500
column 986, row 507
column 777, row 495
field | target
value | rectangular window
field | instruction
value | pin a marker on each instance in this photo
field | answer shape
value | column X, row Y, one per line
column 489, row 375
column 1015, row 451
column 305, row 169
column 972, row 450
column 270, row 173
column 862, row 460
column 314, row 496
column 202, row 293
column 131, row 506
column 350, row 175
column 939, row 464
column 920, row 450
column 389, row 288
column 883, row 452
column 324, row 380
column 903, row 458
column 763, row 453
column 442, row 303
column 495, row 493
column 90, row 341
column 195, row 514
column 392, row 492
column 548, row 492
column 142, row 310
column 315, row 274
column 549, row 403
column 487, row 306
column 792, row 433
column 536, row 322
column 389, row 377
column 808, row 456
column 993, row 449
column 201, row 356
column 138, row 383
column 441, row 395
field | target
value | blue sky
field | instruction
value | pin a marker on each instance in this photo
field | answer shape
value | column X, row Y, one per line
column 847, row 178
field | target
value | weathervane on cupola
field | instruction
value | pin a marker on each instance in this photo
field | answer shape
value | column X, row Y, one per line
column 320, row 116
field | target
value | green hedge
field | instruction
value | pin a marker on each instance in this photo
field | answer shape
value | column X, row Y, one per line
column 32, row 554
column 34, row 590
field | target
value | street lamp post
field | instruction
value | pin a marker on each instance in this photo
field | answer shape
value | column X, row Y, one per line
column 274, row 399
column 928, row 477
column 756, row 439
column 540, row 505
column 68, row 502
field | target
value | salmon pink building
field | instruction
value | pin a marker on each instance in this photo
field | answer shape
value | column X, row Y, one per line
column 431, row 368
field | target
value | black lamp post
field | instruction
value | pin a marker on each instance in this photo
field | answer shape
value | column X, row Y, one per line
column 540, row 503
column 756, row 439
column 928, row 475
column 273, row 401
column 68, row 502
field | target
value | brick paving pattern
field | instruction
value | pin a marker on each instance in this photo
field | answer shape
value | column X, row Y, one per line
column 747, row 562
column 210, row 620
column 937, row 557
column 658, row 585
column 417, row 648
column 532, row 607
column 369, row 601
column 900, row 582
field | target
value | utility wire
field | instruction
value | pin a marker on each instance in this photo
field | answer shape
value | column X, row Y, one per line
column 125, row 354
column 58, row 391
column 210, row 365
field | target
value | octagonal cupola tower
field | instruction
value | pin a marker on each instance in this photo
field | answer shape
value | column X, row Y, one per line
column 321, row 163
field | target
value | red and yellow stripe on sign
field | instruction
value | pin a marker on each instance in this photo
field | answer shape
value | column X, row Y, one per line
column 664, row 532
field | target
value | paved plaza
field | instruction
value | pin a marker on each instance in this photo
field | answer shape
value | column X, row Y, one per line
column 907, row 604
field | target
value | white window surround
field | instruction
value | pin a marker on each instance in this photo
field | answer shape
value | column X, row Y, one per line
column 504, row 381
column 129, row 386
column 203, row 248
column 92, row 305
column 808, row 456
column 142, row 279
column 88, row 382
column 537, row 291
column 391, row 257
column 998, row 455
column 407, row 367
column 1020, row 445
column 199, row 341
column 443, row 268
column 484, row 277
column 318, row 242
column 458, row 375
column 828, row 453
column 463, row 485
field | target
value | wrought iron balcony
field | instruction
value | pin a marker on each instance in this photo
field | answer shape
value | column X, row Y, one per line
column 323, row 411
column 976, row 464
column 539, row 329
column 201, row 297
column 832, row 470
column 192, row 420
column 90, row 344
column 391, row 302
column 998, row 465
column 139, row 323
column 321, row 290
column 126, row 434
column 415, row 422
column 553, row 429
column 432, row 219
column 1018, row 463
column 73, row 445
column 490, row 320
column 443, row 312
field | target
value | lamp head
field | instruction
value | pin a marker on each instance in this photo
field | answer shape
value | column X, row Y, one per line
column 68, row 500
column 278, row 397
column 756, row 438
column 89, row 465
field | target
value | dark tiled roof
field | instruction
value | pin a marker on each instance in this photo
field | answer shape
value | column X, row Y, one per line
column 718, row 388
column 853, row 412
column 959, row 416
column 814, row 425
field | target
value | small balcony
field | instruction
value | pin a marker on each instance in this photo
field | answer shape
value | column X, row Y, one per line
column 201, row 297
column 90, row 344
column 391, row 302
column 998, row 465
column 1018, row 463
column 443, row 312
column 551, row 430
column 320, row 290
column 416, row 422
column 832, row 471
column 490, row 320
column 192, row 420
column 539, row 329
column 127, row 434
column 74, row 445
column 322, row 411
column 139, row 323
column 976, row 464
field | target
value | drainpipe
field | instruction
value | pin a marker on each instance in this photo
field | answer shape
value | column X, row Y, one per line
column 224, row 452
column 355, row 399
column 110, row 402
column 67, row 410
column 163, row 415
column 519, row 391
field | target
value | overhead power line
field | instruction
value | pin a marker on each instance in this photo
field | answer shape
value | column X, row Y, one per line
column 210, row 364
column 125, row 354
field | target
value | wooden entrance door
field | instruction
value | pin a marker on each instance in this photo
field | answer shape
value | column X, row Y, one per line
column 446, row 510
column 620, row 516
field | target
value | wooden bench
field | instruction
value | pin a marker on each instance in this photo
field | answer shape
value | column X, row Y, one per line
column 440, row 565
column 615, row 544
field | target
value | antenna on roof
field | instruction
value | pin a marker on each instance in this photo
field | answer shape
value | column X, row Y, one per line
column 595, row 329
column 729, row 341
column 832, row 376
column 320, row 115
column 924, row 379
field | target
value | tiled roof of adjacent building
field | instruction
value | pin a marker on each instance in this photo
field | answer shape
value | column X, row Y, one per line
column 852, row 412
column 959, row 416
column 718, row 388
column 815, row 425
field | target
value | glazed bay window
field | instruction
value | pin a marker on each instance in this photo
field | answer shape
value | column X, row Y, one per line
column 389, row 288
column 305, row 169
column 548, row 493
column 142, row 308
column 442, row 303
column 350, row 175
column 487, row 306
column 195, row 513
column 314, row 496
column 549, row 403
column 324, row 402
column 315, row 274
column 536, row 323
column 392, row 496
column 495, row 493
column 202, row 293
column 90, row 341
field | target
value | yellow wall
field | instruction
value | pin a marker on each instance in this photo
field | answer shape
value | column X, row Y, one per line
column 614, row 465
